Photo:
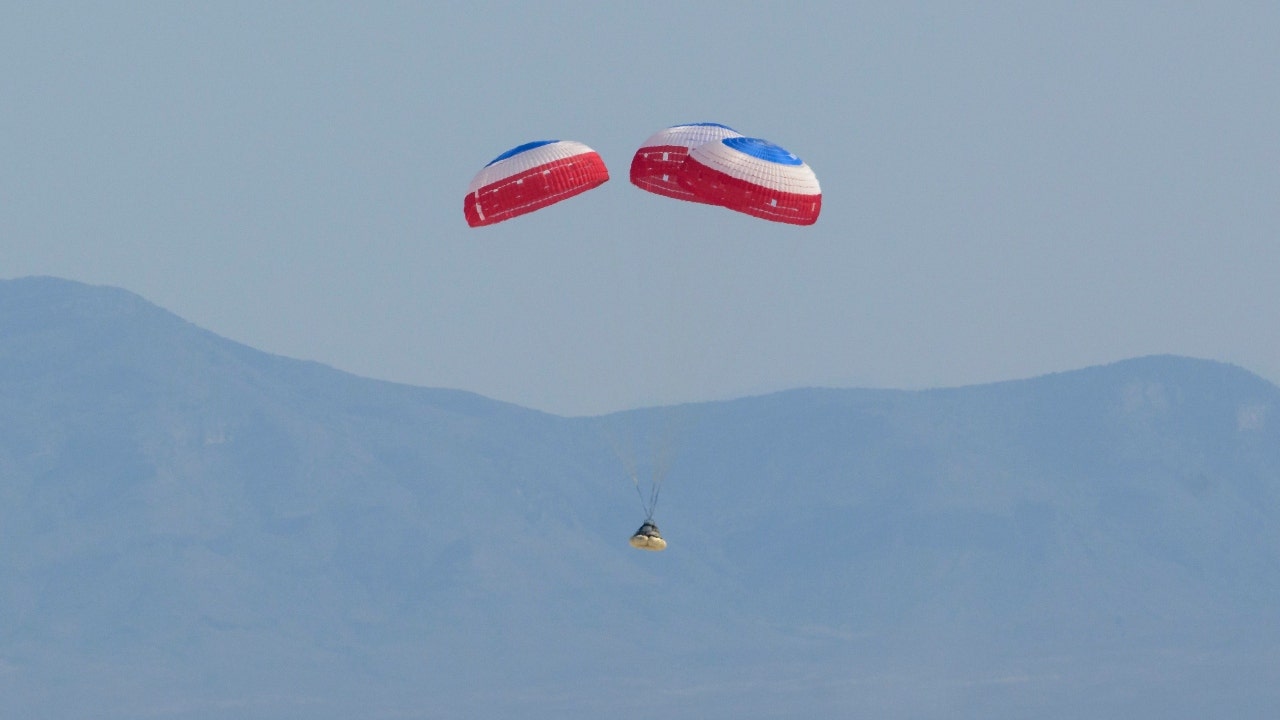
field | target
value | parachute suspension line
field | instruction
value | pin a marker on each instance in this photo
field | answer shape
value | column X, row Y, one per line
column 634, row 472
column 627, row 456
column 646, row 506
column 654, row 489
column 661, row 452
column 661, row 464
column 663, row 457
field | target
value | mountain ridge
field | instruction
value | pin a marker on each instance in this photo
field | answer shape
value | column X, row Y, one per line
column 190, row 528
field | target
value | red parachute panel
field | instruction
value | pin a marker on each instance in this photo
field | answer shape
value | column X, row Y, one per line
column 531, row 177
column 658, row 165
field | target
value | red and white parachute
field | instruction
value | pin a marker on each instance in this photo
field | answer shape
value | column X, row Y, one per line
column 530, row 177
column 697, row 162
column 658, row 166
column 714, row 164
column 755, row 177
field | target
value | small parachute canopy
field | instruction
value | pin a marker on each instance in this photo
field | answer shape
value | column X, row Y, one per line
column 530, row 177
column 648, row 538
column 659, row 163
column 755, row 177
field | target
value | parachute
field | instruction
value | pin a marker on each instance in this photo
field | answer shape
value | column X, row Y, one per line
column 702, row 162
column 530, row 177
column 715, row 164
column 755, row 177
column 658, row 166
column 648, row 538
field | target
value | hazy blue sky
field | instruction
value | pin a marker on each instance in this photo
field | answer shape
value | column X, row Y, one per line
column 1009, row 188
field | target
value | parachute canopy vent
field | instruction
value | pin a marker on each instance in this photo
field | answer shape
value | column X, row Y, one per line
column 755, row 177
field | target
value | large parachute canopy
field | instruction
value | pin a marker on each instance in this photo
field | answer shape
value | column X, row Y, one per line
column 658, row 166
column 530, row 177
column 755, row 177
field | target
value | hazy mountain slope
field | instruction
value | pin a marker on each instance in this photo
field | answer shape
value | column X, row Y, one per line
column 191, row 528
